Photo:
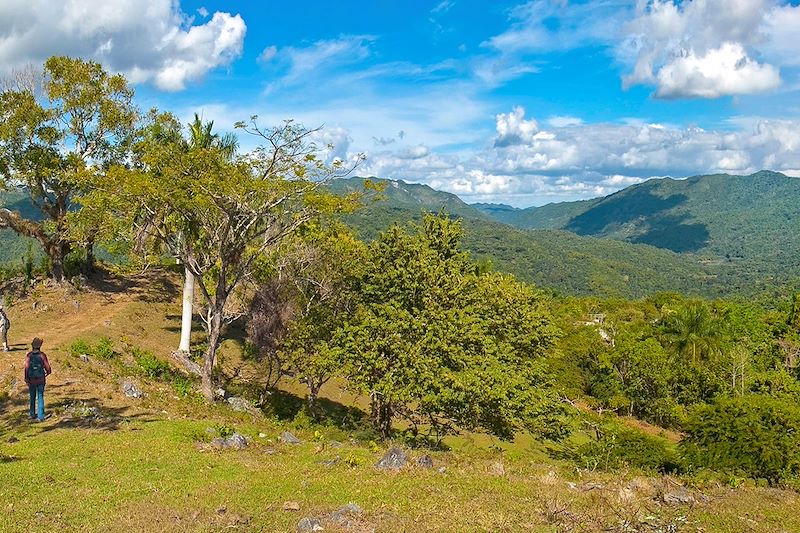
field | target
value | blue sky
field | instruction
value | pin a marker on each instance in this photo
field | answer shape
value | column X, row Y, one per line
column 516, row 102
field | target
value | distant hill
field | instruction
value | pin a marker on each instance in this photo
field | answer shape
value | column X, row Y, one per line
column 556, row 260
column 12, row 246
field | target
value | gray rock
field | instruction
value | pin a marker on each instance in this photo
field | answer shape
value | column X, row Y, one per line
column 220, row 393
column 241, row 405
column 425, row 461
column 310, row 524
column 288, row 438
column 81, row 410
column 234, row 442
column 395, row 459
column 680, row 496
column 131, row 390
column 344, row 515
column 85, row 358
column 332, row 462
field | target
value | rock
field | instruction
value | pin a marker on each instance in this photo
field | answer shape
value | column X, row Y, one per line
column 222, row 510
column 309, row 524
column 85, row 358
column 270, row 450
column 425, row 461
column 572, row 485
column 442, row 469
column 234, row 442
column 107, row 323
column 586, row 487
column 395, row 459
column 332, row 462
column 81, row 410
column 291, row 506
column 343, row 515
column 220, row 393
column 131, row 390
column 288, row 438
column 262, row 435
column 679, row 496
column 497, row 469
column 241, row 405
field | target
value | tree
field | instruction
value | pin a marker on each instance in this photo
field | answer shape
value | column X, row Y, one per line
column 693, row 331
column 293, row 315
column 201, row 137
column 58, row 135
column 221, row 216
column 436, row 343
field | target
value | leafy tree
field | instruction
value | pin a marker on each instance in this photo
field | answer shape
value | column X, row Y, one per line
column 754, row 434
column 58, row 135
column 221, row 216
column 693, row 331
column 435, row 343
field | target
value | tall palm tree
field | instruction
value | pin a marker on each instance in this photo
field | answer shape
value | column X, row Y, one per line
column 693, row 331
column 201, row 136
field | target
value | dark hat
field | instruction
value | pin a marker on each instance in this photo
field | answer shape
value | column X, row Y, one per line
column 37, row 342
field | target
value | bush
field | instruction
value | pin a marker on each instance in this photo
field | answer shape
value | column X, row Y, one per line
column 623, row 447
column 154, row 368
column 756, row 435
column 104, row 349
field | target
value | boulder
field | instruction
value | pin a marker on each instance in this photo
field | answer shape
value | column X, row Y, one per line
column 241, row 405
column 309, row 524
column 288, row 438
column 234, row 442
column 425, row 461
column 344, row 515
column 131, row 390
column 394, row 459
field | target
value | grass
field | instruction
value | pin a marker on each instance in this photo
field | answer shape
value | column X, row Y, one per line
column 145, row 465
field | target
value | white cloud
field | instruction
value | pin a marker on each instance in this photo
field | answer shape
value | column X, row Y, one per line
column 148, row 40
column 562, row 122
column 710, row 48
column 512, row 128
column 267, row 54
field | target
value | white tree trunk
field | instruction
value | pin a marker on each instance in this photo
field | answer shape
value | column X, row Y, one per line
column 186, row 317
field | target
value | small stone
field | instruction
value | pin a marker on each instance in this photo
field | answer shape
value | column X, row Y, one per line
column 680, row 496
column 586, row 487
column 222, row 510
column 442, row 469
column 85, row 358
column 425, row 461
column 234, row 442
column 220, row 393
column 262, row 435
column 342, row 515
column 291, row 506
column 395, row 459
column 497, row 469
column 269, row 450
column 309, row 524
column 288, row 438
column 131, row 390
column 107, row 323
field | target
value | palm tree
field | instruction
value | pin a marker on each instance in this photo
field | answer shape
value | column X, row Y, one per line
column 693, row 331
column 201, row 137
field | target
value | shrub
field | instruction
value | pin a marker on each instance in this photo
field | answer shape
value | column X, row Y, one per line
column 104, row 349
column 757, row 435
column 623, row 447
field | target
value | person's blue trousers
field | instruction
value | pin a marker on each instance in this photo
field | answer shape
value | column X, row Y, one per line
column 37, row 395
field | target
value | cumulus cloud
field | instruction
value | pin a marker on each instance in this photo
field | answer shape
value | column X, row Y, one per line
column 526, row 164
column 709, row 48
column 148, row 40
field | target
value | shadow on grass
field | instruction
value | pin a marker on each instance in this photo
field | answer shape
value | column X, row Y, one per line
column 87, row 413
column 286, row 406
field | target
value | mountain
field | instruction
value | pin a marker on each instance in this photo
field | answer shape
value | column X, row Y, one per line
column 552, row 259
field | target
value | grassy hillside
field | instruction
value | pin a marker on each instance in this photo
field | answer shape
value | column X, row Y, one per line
column 106, row 462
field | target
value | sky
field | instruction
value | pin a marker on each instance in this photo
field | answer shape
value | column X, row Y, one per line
column 523, row 103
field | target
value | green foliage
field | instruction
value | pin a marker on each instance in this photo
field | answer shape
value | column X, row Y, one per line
column 439, row 345
column 102, row 349
column 755, row 434
column 620, row 447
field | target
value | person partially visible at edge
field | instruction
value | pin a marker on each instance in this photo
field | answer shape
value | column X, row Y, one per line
column 5, row 323
column 37, row 368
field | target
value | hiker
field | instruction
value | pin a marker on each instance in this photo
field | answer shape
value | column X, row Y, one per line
column 5, row 323
column 37, row 368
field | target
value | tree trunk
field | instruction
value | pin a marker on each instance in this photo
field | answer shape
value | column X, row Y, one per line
column 381, row 414
column 56, row 252
column 186, row 316
column 209, row 358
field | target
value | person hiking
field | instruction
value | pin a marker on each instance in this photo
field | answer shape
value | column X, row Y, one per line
column 5, row 323
column 37, row 368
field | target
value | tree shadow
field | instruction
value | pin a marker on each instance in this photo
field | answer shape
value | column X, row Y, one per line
column 86, row 413
column 286, row 407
